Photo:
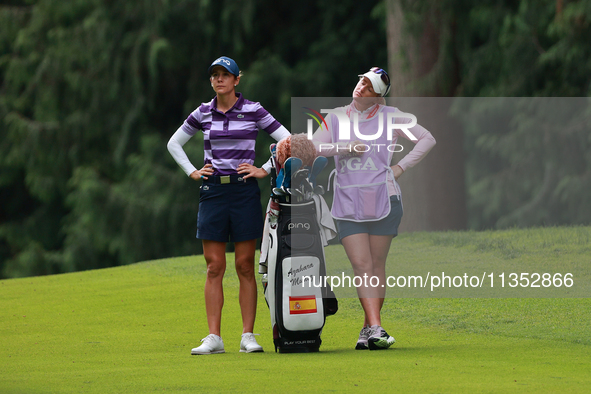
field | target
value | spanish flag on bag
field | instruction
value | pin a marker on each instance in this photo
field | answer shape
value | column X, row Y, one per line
column 300, row 305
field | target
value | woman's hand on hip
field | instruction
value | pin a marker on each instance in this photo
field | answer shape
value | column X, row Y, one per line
column 397, row 170
column 251, row 171
column 203, row 173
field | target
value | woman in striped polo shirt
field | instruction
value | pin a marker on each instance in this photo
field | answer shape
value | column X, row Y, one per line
column 229, row 203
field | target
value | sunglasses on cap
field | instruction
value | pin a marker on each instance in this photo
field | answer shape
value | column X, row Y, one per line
column 384, row 76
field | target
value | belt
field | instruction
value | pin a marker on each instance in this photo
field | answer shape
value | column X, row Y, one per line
column 226, row 179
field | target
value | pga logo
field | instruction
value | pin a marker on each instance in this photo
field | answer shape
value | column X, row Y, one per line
column 390, row 125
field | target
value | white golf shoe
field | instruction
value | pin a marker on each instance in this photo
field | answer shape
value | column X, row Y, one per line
column 379, row 339
column 364, row 334
column 249, row 344
column 212, row 344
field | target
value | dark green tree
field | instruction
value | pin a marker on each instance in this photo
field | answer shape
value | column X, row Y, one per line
column 515, row 174
column 537, row 170
column 92, row 90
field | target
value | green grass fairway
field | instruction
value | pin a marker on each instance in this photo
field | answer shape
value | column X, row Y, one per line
column 130, row 330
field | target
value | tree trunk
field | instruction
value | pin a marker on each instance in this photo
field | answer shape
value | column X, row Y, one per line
column 433, row 192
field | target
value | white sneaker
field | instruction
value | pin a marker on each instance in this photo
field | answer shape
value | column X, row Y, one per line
column 249, row 344
column 379, row 339
column 363, row 337
column 212, row 344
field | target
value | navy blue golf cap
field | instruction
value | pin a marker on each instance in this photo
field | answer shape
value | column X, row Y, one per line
column 227, row 63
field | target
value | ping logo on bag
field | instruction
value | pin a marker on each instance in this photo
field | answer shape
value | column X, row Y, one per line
column 292, row 225
column 301, row 305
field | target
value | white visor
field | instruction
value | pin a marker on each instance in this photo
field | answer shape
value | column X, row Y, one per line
column 376, row 81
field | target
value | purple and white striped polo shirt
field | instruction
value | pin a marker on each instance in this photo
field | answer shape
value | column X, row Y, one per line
column 229, row 138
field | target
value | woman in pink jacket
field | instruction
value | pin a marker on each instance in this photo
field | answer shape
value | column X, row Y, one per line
column 367, row 202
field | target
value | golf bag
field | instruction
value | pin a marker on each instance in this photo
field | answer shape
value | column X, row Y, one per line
column 296, row 294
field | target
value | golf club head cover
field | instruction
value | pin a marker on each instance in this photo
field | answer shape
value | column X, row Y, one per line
column 303, row 148
column 283, row 150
